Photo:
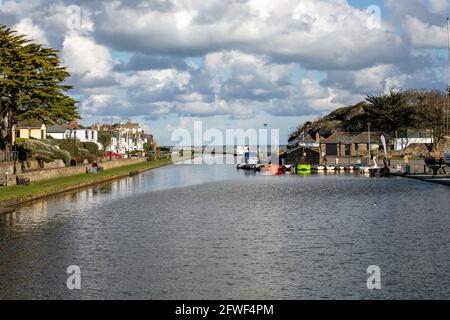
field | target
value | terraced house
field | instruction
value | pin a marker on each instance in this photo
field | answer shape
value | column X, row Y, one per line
column 125, row 137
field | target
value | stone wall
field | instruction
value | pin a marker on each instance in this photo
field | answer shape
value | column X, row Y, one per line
column 7, row 167
column 56, row 164
column 39, row 175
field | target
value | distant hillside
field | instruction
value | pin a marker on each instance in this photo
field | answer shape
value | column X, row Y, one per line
column 351, row 119
column 388, row 113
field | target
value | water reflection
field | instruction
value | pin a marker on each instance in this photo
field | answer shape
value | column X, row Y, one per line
column 214, row 232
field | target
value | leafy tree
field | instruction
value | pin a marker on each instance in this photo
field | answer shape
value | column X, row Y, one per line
column 148, row 146
column 105, row 139
column 390, row 112
column 32, row 85
column 430, row 112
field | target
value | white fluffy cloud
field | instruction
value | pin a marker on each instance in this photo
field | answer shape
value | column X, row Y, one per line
column 31, row 31
column 237, row 58
column 440, row 6
column 85, row 58
column 316, row 33
column 426, row 35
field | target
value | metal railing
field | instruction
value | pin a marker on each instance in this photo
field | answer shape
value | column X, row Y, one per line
column 9, row 156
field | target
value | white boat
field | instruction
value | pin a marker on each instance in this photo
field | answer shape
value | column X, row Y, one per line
column 321, row 168
column 240, row 151
column 331, row 168
column 365, row 169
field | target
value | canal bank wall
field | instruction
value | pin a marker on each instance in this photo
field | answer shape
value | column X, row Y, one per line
column 9, row 205
column 40, row 175
column 52, row 173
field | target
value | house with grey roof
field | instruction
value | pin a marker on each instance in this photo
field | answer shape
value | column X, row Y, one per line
column 61, row 132
column 351, row 144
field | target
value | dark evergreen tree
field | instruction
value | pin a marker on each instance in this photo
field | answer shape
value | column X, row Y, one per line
column 32, row 85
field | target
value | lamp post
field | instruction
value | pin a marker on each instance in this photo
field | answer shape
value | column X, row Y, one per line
column 267, row 142
column 370, row 147
column 110, row 146
column 14, row 154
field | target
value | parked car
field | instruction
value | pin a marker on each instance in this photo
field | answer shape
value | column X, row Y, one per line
column 115, row 155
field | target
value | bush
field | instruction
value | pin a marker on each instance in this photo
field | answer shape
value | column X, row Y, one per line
column 83, row 151
column 52, row 142
column 42, row 152
column 91, row 147
column 90, row 157
column 68, row 146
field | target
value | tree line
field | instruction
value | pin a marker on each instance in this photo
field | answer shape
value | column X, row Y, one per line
column 32, row 85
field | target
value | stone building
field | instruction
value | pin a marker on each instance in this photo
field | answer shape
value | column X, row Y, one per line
column 346, row 144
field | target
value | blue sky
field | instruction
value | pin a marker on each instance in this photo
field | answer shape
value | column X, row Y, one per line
column 235, row 64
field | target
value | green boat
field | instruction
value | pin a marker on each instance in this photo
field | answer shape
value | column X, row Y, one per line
column 303, row 168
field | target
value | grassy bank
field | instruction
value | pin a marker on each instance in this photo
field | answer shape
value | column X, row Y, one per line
column 18, row 194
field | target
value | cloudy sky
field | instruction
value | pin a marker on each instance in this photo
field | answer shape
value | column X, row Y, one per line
column 235, row 63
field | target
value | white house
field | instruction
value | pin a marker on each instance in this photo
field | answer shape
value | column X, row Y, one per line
column 125, row 138
column 405, row 138
column 69, row 132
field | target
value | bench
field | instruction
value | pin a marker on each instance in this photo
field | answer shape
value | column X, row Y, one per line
column 22, row 181
column 3, row 182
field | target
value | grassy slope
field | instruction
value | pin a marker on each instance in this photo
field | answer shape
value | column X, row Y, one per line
column 42, row 188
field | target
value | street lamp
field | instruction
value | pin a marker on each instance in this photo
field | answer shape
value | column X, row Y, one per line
column 370, row 148
column 267, row 143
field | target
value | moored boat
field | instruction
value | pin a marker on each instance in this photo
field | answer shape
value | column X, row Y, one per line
column 447, row 158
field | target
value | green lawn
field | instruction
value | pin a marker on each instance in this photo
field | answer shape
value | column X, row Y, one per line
column 54, row 185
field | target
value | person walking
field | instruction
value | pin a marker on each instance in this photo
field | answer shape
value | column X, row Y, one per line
column 95, row 166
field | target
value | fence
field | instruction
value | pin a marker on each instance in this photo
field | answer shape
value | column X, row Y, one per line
column 8, row 156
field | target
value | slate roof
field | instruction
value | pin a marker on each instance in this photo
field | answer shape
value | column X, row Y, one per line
column 352, row 137
column 304, row 138
column 29, row 124
column 56, row 129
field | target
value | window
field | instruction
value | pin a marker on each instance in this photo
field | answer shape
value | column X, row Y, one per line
column 348, row 149
column 18, row 133
column 42, row 134
column 86, row 134
column 332, row 149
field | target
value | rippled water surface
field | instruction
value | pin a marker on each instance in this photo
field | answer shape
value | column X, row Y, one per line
column 211, row 232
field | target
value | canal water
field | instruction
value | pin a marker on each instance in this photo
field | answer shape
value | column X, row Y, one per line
column 212, row 232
